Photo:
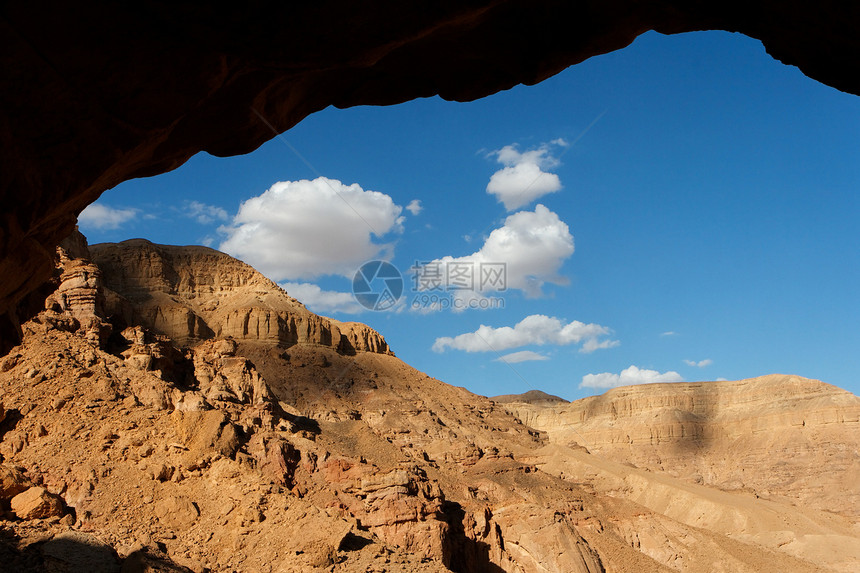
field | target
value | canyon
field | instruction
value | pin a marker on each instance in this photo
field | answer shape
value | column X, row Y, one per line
column 171, row 409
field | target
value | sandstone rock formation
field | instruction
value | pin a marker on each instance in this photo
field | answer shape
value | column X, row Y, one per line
column 759, row 445
column 12, row 482
column 95, row 95
column 36, row 503
column 774, row 436
column 270, row 453
column 196, row 293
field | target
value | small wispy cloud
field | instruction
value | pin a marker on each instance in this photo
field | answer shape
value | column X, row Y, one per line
column 669, row 333
column 593, row 344
column 415, row 206
column 323, row 301
column 521, row 356
column 203, row 213
column 700, row 363
column 104, row 218
column 536, row 329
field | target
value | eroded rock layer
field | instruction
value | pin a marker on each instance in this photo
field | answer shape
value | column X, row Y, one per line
column 774, row 436
column 196, row 293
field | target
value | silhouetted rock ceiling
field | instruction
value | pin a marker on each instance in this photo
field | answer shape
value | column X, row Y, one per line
column 96, row 93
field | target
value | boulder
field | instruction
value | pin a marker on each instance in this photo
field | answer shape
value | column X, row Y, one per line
column 12, row 482
column 37, row 503
column 206, row 432
column 176, row 512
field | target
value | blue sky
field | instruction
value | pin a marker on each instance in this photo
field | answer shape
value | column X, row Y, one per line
column 684, row 209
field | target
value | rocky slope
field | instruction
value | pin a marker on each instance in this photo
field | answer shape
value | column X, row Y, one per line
column 246, row 449
column 774, row 436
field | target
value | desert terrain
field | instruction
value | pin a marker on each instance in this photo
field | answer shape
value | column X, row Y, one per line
column 171, row 409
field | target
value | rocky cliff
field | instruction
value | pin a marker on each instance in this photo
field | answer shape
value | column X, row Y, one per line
column 774, row 436
column 195, row 293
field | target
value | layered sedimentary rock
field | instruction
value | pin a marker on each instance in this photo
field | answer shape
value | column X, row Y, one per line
column 97, row 94
column 196, row 293
column 775, row 436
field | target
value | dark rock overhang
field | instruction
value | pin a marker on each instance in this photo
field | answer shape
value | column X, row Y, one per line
column 97, row 93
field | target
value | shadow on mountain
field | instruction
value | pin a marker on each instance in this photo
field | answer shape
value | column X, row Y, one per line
column 353, row 542
column 466, row 555
column 693, row 423
column 10, row 420
column 76, row 552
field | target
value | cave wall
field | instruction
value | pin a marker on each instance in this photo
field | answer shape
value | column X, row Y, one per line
column 97, row 93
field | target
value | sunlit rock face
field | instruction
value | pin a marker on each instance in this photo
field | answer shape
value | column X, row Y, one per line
column 97, row 94
column 774, row 435
column 191, row 294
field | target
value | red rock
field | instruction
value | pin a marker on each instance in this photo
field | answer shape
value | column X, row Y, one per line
column 176, row 512
column 12, row 482
column 37, row 503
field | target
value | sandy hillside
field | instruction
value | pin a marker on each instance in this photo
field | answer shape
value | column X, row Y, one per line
column 173, row 410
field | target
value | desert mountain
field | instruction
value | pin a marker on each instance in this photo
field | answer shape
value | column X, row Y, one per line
column 535, row 397
column 196, row 293
column 777, row 437
column 173, row 410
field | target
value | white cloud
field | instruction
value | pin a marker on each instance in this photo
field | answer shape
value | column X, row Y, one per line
column 669, row 333
column 523, row 177
column 101, row 217
column 303, row 229
column 721, row 379
column 532, row 246
column 700, row 363
column 203, row 213
column 521, row 356
column 628, row 376
column 415, row 206
column 593, row 344
column 537, row 329
column 322, row 301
